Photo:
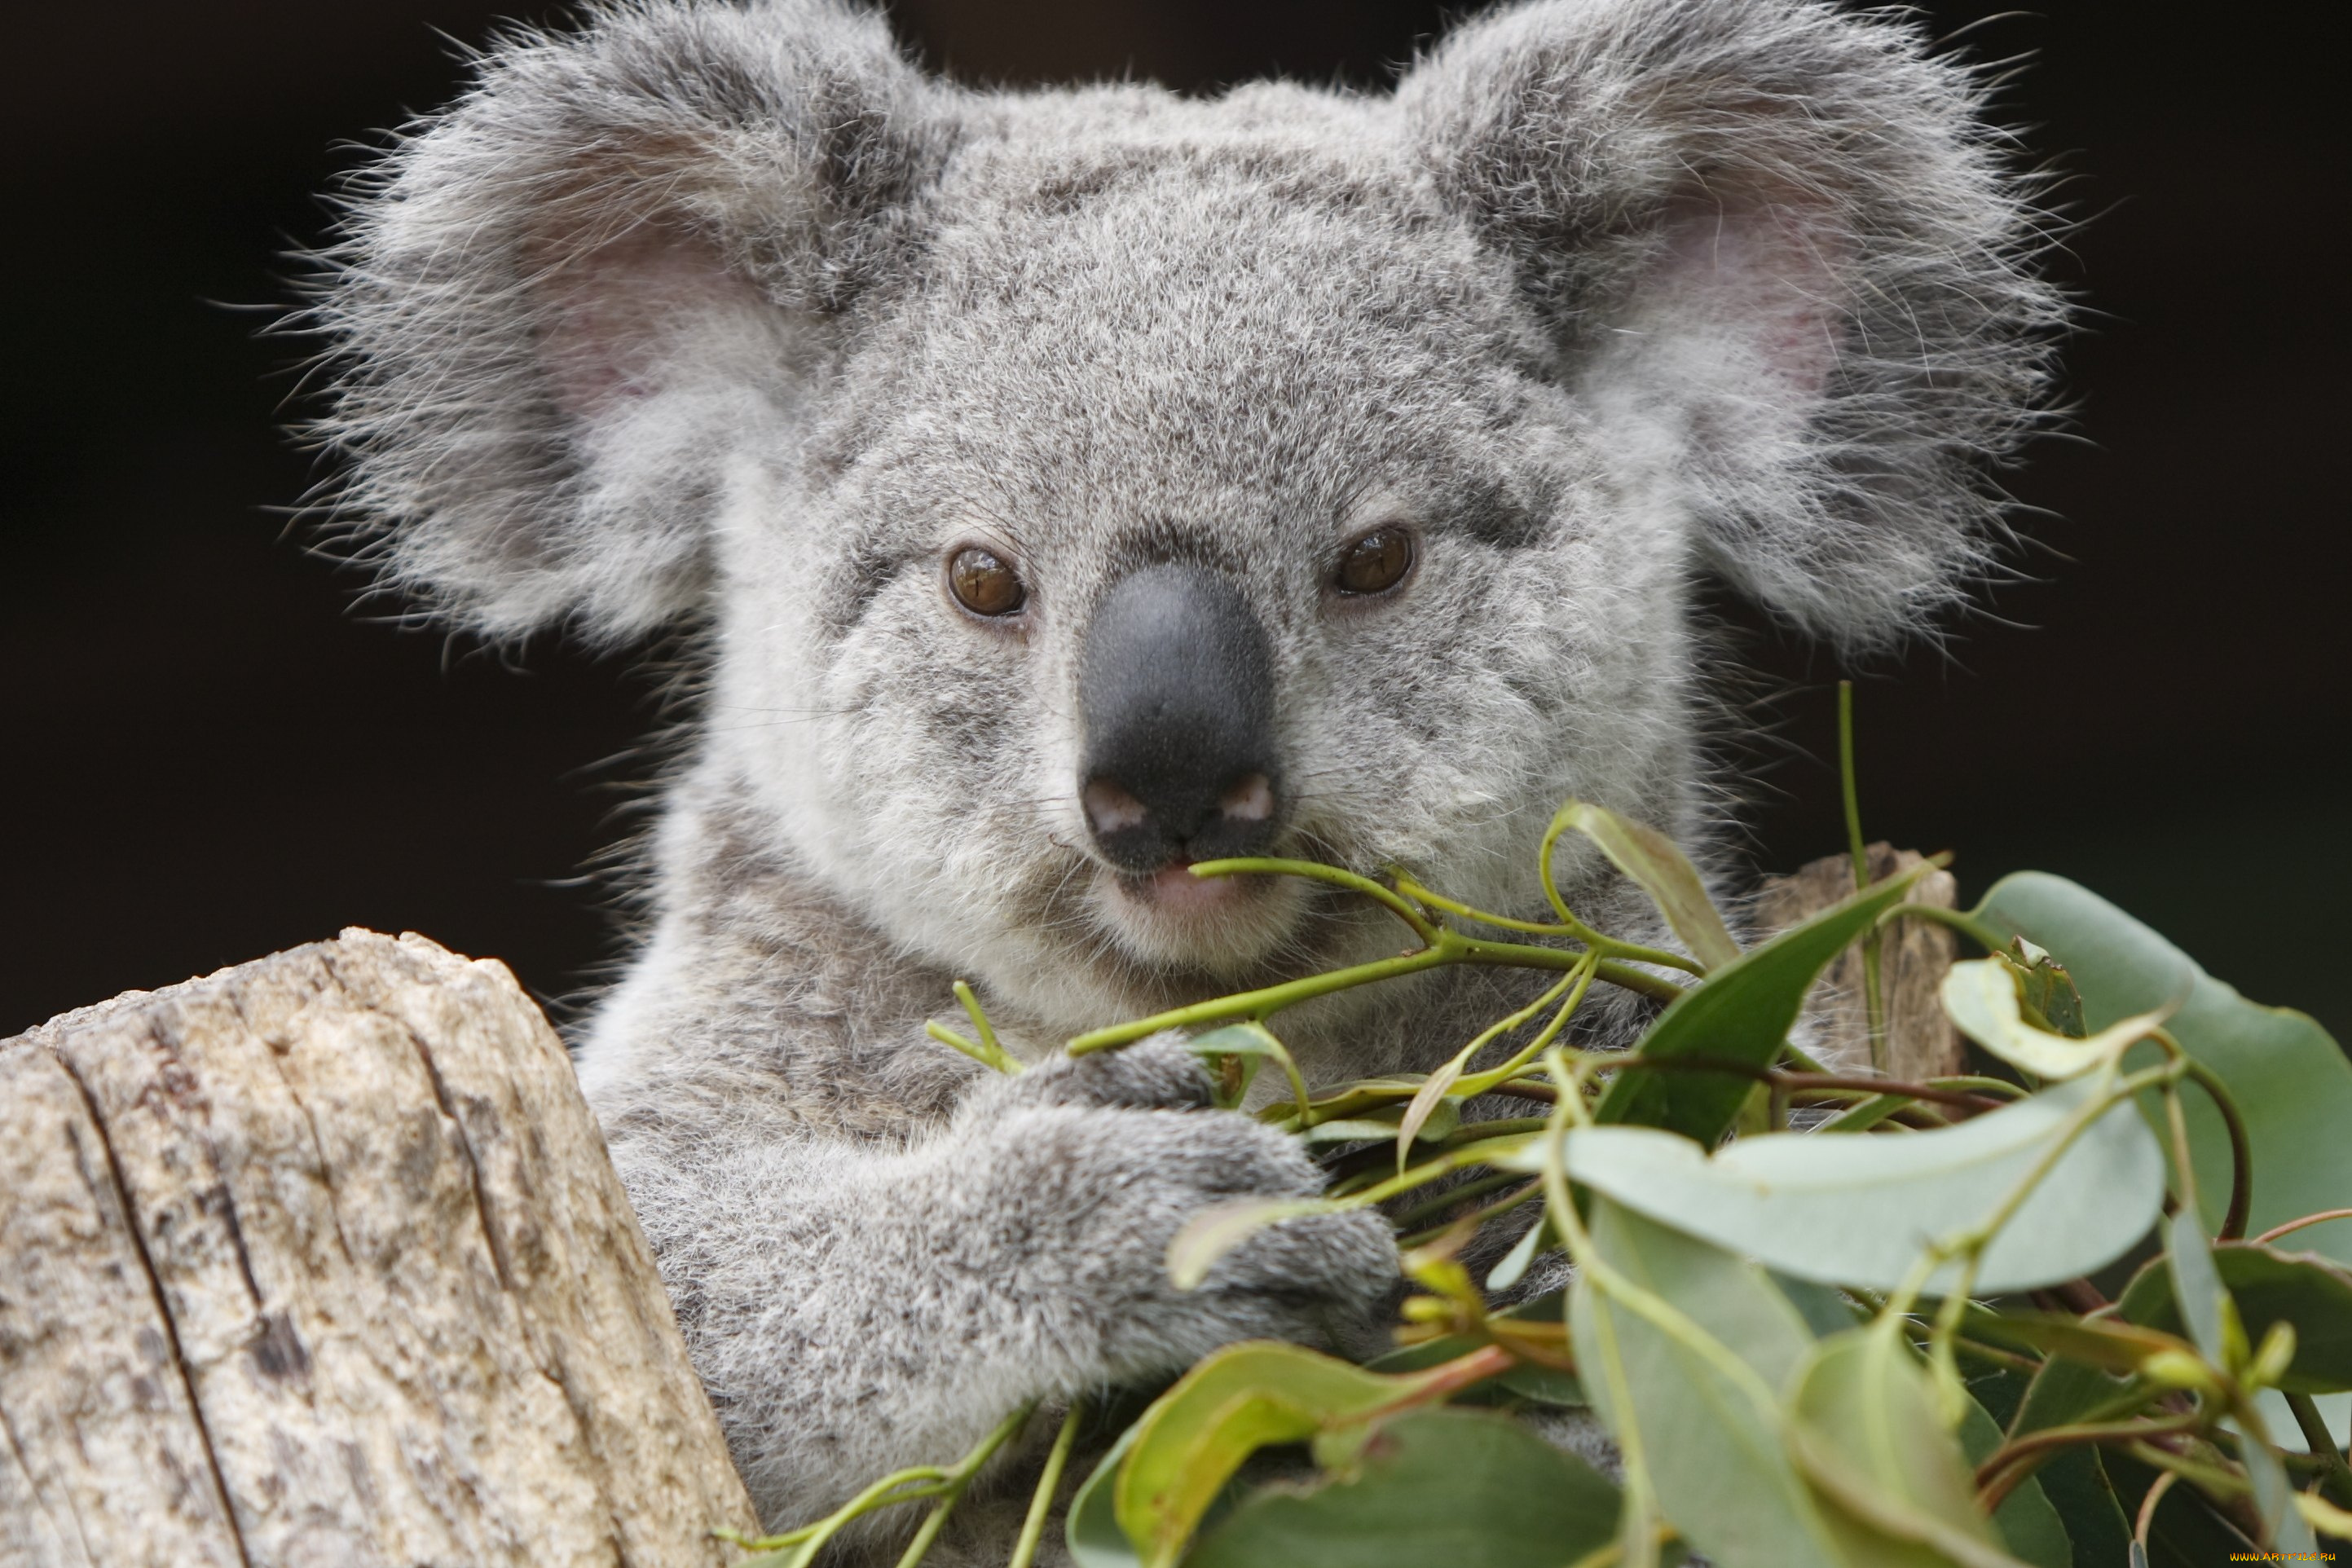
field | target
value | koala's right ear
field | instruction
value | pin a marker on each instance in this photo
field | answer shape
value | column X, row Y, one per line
column 564, row 302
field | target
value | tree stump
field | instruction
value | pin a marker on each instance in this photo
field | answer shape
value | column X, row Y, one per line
column 320, row 1262
column 1912, row 959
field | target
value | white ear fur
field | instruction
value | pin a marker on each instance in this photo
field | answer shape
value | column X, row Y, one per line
column 1777, row 234
column 564, row 302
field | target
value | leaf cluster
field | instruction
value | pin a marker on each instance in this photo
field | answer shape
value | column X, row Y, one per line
column 2077, row 1307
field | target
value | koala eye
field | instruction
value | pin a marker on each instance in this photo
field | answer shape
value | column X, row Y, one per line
column 1375, row 562
column 984, row 585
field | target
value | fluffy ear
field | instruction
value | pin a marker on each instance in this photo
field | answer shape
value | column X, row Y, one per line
column 563, row 302
column 1778, row 236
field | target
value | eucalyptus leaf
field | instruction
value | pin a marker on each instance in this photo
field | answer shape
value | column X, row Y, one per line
column 1664, row 872
column 1860, row 1211
column 2290, row 1081
column 1740, row 1012
column 2270, row 1286
column 1689, row 1394
column 1091, row 1527
column 1239, row 1400
column 1463, row 1488
column 2029, row 1523
column 2205, row 1305
column 1980, row 998
column 1864, row 1431
column 1208, row 1236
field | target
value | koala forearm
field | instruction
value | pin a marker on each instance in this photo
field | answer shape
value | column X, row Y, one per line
column 849, row 1311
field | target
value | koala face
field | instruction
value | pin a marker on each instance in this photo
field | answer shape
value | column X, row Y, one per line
column 1303, row 549
column 1078, row 485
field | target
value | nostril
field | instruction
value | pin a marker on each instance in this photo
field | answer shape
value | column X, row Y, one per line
column 1110, row 808
column 1249, row 798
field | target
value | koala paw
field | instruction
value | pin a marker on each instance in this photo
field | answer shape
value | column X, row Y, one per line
column 1097, row 1162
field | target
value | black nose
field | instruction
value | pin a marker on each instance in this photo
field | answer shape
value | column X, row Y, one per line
column 1176, row 693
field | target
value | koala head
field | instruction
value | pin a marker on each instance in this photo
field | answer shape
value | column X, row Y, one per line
column 1071, row 486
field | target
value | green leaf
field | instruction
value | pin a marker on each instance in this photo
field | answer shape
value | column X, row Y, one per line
column 2065, row 1391
column 2026, row 1519
column 1092, row 1525
column 2196, row 1287
column 1689, row 1390
column 1239, row 1400
column 1441, row 1121
column 1981, row 998
column 1462, row 1488
column 1218, row 1229
column 2204, row 1303
column 1650, row 860
column 1860, row 1211
column 1865, row 1432
column 1739, row 1012
column 2051, row 1001
column 2270, row 1286
column 2291, row 1082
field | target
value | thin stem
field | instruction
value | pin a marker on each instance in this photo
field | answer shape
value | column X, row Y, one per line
column 2147, row 1509
column 1315, row 871
column 2333, row 1475
column 1500, row 1206
column 1960, row 920
column 988, row 1041
column 1450, row 947
column 2015, row 1460
column 2177, row 1123
column 1041, row 1501
column 2242, row 1152
column 2294, row 1225
column 952, row 1490
column 1873, row 999
column 1421, row 895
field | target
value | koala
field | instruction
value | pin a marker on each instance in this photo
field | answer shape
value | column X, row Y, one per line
column 1056, row 489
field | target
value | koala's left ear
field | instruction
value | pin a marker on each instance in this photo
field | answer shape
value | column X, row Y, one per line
column 568, row 301
column 1777, row 237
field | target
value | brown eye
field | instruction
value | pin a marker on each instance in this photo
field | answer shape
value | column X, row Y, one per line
column 1376, row 562
column 984, row 585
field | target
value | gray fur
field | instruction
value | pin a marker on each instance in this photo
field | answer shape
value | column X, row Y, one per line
column 727, row 315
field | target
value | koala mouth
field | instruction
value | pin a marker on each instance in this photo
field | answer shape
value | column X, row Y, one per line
column 1174, row 888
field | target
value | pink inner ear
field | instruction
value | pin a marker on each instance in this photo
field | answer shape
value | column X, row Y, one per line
column 614, row 316
column 1763, row 278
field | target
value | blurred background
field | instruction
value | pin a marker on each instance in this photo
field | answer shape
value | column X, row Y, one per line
column 206, row 754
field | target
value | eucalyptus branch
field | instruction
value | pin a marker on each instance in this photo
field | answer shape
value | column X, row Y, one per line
column 1041, row 1501
column 943, row 1487
column 1450, row 947
column 2013, row 1461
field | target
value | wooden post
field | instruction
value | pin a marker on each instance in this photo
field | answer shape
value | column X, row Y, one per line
column 1912, row 958
column 319, row 1262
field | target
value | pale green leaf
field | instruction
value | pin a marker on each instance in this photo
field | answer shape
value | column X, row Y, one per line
column 1980, row 998
column 1459, row 1488
column 2290, row 1081
column 1239, row 1400
column 1860, row 1211
column 1664, row 872
column 1863, row 1430
column 2270, row 1285
column 1218, row 1229
column 1689, row 1390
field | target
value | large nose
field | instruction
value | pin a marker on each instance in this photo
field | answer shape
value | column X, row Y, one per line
column 1176, row 693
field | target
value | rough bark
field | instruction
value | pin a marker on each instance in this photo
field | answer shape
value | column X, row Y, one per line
column 1913, row 956
column 320, row 1262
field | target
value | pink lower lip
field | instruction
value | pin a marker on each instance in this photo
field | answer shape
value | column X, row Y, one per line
column 1173, row 887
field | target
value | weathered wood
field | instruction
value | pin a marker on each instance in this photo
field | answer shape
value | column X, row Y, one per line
column 320, row 1262
column 1913, row 956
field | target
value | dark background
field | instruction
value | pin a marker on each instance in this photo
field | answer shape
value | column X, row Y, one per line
column 206, row 754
